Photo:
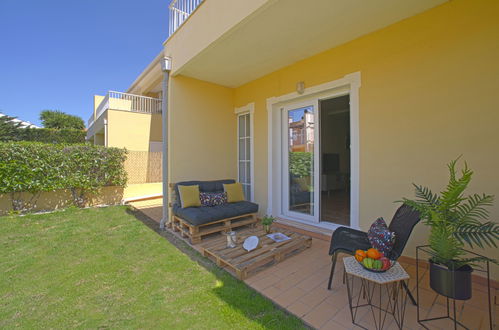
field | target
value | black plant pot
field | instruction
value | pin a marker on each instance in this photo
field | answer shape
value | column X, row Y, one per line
column 455, row 284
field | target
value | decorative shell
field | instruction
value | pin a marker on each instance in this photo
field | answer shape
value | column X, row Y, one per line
column 250, row 243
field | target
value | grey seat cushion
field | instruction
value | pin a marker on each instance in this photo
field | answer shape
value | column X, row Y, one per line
column 201, row 215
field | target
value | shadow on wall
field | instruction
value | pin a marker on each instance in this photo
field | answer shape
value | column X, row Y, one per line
column 54, row 200
column 143, row 167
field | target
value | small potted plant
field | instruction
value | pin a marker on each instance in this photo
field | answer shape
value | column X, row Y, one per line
column 455, row 220
column 267, row 221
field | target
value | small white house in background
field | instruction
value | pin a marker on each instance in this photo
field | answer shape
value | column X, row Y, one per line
column 24, row 124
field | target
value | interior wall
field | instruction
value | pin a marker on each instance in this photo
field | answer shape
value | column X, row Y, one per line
column 428, row 95
column 335, row 123
column 202, row 131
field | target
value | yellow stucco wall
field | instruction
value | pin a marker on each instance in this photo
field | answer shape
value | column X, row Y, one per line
column 60, row 199
column 186, row 45
column 202, row 131
column 428, row 95
column 120, row 104
column 143, row 190
column 132, row 130
column 156, row 133
column 97, row 101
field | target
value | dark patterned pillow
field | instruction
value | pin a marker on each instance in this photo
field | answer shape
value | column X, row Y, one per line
column 213, row 198
column 380, row 237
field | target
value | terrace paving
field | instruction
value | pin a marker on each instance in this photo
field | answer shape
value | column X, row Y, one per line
column 299, row 285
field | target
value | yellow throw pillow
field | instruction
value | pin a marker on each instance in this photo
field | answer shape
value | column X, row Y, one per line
column 234, row 192
column 189, row 196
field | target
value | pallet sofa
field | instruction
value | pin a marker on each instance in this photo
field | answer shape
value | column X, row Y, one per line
column 196, row 222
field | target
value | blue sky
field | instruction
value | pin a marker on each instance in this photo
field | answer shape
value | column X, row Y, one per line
column 56, row 54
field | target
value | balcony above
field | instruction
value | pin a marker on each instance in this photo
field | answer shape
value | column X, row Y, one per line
column 125, row 102
column 180, row 10
column 233, row 42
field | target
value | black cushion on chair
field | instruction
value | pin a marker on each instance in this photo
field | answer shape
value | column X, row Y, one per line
column 348, row 240
column 205, row 214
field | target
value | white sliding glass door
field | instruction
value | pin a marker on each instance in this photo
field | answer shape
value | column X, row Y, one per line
column 300, row 191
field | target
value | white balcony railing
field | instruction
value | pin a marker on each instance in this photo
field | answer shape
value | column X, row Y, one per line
column 180, row 10
column 126, row 102
column 90, row 120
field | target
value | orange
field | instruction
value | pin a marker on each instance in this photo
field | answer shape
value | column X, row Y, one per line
column 373, row 254
column 360, row 255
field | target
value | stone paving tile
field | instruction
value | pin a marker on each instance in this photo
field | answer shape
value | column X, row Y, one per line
column 299, row 308
column 272, row 292
column 288, row 282
column 265, row 282
column 288, row 297
column 316, row 296
column 310, row 283
column 320, row 315
column 344, row 316
column 339, row 298
column 299, row 284
column 333, row 325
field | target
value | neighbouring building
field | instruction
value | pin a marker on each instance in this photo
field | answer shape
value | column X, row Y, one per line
column 23, row 124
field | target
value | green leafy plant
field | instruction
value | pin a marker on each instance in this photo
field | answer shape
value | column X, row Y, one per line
column 52, row 135
column 60, row 120
column 31, row 167
column 300, row 164
column 268, row 220
column 9, row 128
column 455, row 219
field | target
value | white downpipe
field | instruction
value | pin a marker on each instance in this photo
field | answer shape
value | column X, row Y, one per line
column 165, row 67
column 105, row 132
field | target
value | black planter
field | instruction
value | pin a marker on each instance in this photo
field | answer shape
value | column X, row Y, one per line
column 455, row 284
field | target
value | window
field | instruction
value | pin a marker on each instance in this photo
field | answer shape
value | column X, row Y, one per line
column 245, row 150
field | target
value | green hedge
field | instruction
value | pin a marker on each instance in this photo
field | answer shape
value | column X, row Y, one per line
column 51, row 135
column 300, row 164
column 36, row 167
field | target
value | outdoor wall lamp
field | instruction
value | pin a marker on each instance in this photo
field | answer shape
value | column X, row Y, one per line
column 300, row 87
column 166, row 64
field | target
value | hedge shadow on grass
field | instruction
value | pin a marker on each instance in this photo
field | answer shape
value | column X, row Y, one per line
column 253, row 305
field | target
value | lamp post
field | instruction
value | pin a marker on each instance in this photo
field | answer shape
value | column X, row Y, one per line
column 166, row 66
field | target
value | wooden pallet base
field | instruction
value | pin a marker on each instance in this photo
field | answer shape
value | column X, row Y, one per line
column 243, row 263
column 196, row 233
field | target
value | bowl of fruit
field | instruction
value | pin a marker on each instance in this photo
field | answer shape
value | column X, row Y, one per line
column 373, row 260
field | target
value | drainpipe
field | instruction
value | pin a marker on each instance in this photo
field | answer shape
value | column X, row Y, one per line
column 105, row 132
column 166, row 66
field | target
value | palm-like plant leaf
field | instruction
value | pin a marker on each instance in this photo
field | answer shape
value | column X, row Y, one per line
column 474, row 208
column 478, row 233
column 452, row 195
column 426, row 197
column 455, row 219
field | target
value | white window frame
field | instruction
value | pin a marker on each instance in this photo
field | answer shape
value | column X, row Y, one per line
column 242, row 111
column 348, row 85
column 312, row 218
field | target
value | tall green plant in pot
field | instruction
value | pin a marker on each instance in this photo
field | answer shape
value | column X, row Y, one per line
column 456, row 220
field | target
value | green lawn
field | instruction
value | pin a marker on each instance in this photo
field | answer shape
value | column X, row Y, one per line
column 103, row 268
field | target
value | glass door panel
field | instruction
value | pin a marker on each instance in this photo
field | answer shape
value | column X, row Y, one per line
column 300, row 165
column 244, row 154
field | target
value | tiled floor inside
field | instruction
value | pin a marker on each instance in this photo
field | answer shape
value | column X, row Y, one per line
column 299, row 284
